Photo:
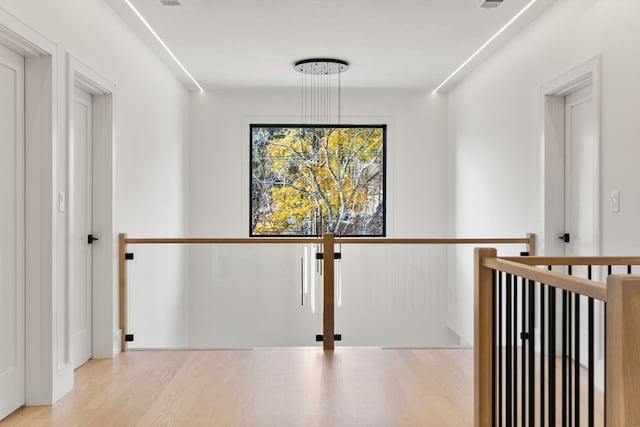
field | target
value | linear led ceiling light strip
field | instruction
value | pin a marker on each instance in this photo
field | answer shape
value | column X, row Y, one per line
column 487, row 43
column 164, row 45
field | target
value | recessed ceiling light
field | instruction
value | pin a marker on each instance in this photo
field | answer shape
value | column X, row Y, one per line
column 490, row 4
column 162, row 43
column 487, row 43
column 177, row 3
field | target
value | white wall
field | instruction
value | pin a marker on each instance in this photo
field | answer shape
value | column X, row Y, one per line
column 150, row 138
column 416, row 153
column 416, row 204
column 495, row 124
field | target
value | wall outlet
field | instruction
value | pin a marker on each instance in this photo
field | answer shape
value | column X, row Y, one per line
column 615, row 201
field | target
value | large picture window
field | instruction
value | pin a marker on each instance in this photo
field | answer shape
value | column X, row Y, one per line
column 309, row 179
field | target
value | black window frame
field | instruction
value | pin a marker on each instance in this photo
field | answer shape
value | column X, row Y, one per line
column 252, row 126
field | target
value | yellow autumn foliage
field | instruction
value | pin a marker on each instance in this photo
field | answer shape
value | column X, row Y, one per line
column 336, row 171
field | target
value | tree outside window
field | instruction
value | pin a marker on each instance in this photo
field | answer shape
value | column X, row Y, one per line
column 310, row 179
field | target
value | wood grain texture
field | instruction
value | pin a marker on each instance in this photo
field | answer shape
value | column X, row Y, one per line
column 122, row 288
column 532, row 243
column 264, row 388
column 316, row 240
column 328, row 287
column 576, row 260
column 221, row 240
column 287, row 387
column 623, row 351
column 578, row 285
column 483, row 338
column 433, row 241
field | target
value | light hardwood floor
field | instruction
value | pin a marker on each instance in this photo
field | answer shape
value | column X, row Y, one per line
column 296, row 387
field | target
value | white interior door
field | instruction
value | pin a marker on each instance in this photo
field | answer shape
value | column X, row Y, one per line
column 581, row 164
column 81, row 202
column 12, row 232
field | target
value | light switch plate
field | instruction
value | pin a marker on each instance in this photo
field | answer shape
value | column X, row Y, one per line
column 61, row 202
column 615, row 201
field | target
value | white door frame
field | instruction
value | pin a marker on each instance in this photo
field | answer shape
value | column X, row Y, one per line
column 46, row 380
column 553, row 135
column 105, row 343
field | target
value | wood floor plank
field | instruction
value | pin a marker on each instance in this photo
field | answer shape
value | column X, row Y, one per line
column 279, row 388
column 288, row 387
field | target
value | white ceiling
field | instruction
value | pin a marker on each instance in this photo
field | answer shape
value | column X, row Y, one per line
column 413, row 44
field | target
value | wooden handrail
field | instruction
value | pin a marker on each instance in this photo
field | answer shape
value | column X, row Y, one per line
column 578, row 285
column 579, row 260
column 431, row 241
column 221, row 240
column 319, row 240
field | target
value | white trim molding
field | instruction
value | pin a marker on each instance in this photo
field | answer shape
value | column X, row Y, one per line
column 552, row 99
column 105, row 262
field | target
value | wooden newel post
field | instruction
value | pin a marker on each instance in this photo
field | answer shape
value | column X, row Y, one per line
column 622, row 366
column 532, row 244
column 483, row 338
column 328, row 326
column 122, row 288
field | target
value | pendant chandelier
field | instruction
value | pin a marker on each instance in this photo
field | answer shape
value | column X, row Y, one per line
column 321, row 89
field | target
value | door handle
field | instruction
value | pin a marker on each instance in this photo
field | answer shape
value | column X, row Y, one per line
column 566, row 237
column 91, row 238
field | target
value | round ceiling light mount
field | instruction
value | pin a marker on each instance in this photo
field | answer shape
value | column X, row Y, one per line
column 321, row 66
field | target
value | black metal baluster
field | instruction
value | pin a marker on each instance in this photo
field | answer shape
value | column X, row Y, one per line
column 592, row 368
column 609, row 271
column 550, row 309
column 508, row 360
column 564, row 358
column 542, row 344
column 577, row 361
column 523, row 349
column 570, row 354
column 532, row 367
column 515, row 350
column 569, row 359
column 552, row 356
column 500, row 349
column 604, row 397
column 494, row 341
